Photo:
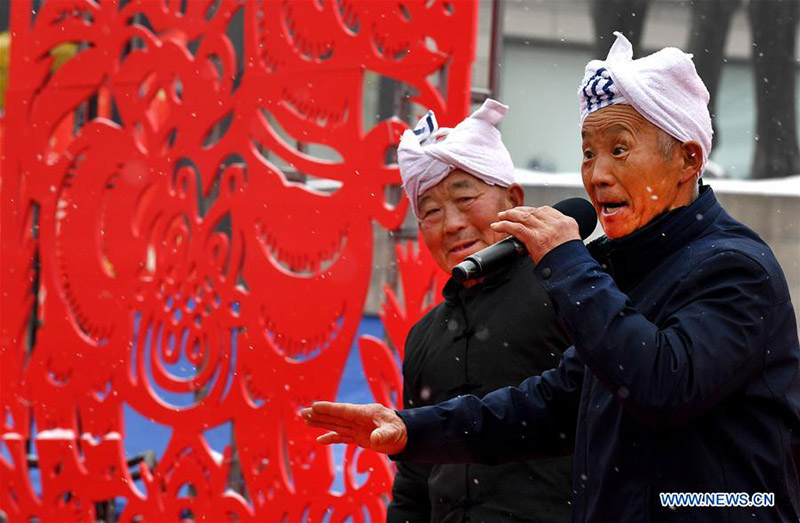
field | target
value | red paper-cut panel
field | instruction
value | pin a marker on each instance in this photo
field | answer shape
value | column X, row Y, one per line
column 160, row 253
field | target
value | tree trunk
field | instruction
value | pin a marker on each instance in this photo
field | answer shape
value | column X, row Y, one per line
column 4, row 6
column 774, row 26
column 626, row 16
column 711, row 20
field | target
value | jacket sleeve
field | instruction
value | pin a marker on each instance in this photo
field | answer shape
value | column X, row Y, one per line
column 710, row 341
column 536, row 419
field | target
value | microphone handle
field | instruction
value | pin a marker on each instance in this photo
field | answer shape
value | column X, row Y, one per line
column 487, row 260
column 490, row 259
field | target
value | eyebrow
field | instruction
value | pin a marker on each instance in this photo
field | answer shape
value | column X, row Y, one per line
column 613, row 128
column 461, row 184
column 422, row 201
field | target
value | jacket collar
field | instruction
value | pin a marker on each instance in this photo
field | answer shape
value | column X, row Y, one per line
column 630, row 258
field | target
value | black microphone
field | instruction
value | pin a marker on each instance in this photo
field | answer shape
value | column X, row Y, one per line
column 493, row 257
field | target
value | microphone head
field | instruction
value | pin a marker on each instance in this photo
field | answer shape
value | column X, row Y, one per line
column 582, row 211
column 465, row 271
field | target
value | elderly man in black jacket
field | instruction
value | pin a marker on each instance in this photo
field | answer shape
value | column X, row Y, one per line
column 682, row 389
column 484, row 336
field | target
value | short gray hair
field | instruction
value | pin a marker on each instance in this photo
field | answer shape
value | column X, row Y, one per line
column 666, row 144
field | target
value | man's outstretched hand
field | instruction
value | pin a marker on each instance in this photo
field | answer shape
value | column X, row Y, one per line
column 370, row 426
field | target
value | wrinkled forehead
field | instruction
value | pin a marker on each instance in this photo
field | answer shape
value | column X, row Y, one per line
column 458, row 180
column 614, row 119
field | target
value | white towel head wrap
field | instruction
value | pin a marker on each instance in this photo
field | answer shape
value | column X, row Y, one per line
column 663, row 87
column 428, row 154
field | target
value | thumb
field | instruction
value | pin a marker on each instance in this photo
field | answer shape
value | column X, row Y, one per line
column 380, row 436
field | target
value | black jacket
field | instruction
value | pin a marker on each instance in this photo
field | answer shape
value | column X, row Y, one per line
column 684, row 376
column 479, row 339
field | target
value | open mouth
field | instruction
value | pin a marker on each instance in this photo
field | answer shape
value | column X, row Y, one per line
column 461, row 249
column 612, row 208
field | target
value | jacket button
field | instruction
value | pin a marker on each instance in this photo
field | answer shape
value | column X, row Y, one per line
column 546, row 273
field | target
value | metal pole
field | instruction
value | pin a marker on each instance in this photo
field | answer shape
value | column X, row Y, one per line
column 492, row 90
column 496, row 49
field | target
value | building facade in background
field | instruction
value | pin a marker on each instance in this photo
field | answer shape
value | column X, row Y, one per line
column 545, row 46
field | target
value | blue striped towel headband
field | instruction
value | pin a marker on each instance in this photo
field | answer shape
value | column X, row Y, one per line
column 600, row 91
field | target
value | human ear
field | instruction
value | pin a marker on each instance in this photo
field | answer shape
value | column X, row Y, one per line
column 515, row 195
column 691, row 155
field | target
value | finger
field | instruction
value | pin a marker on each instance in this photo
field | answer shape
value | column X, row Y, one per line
column 526, row 209
column 552, row 216
column 329, row 426
column 513, row 228
column 363, row 422
column 307, row 414
column 383, row 436
column 316, row 416
column 347, row 411
column 545, row 210
column 333, row 437
column 520, row 214
column 338, row 423
column 377, row 437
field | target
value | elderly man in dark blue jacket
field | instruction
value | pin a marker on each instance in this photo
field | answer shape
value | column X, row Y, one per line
column 684, row 377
